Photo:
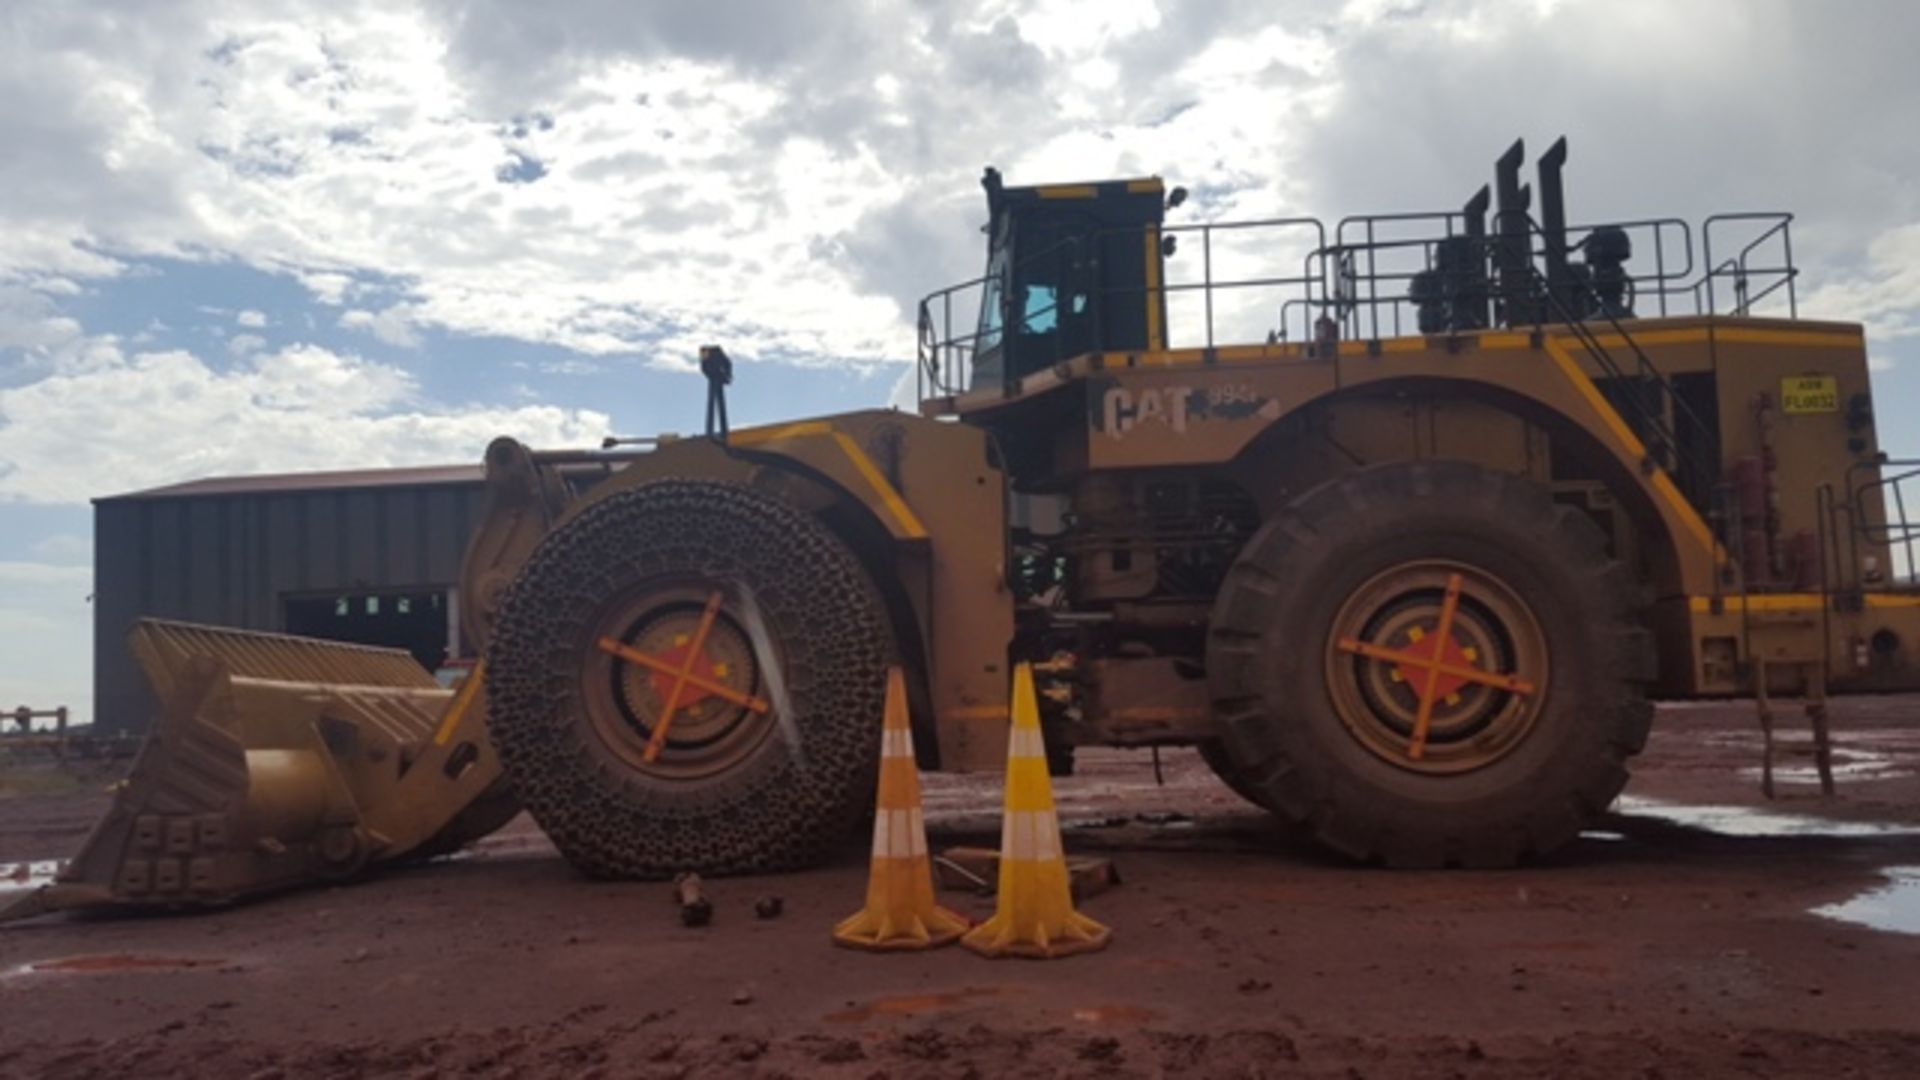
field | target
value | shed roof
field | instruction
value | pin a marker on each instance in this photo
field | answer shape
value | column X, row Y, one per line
column 422, row 476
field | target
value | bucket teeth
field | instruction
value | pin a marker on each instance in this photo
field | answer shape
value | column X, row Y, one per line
column 279, row 761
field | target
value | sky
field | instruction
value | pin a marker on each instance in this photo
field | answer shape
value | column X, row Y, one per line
column 274, row 235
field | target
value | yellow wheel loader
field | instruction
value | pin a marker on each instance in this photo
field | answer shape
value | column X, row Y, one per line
column 1400, row 519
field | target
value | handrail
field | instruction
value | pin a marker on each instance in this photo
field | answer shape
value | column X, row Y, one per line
column 1206, row 283
column 1896, row 526
column 1692, row 481
column 1657, row 229
column 1741, row 271
column 1364, row 279
column 1364, row 314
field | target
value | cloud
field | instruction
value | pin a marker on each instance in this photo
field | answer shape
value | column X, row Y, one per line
column 29, row 321
column 118, row 423
column 520, row 169
column 792, row 180
column 1681, row 110
column 64, row 549
column 393, row 325
column 1881, row 293
column 252, row 320
column 570, row 366
column 242, row 344
column 328, row 141
column 33, row 573
column 328, row 288
column 678, row 168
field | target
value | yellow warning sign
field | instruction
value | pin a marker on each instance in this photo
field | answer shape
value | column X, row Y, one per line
column 1809, row 394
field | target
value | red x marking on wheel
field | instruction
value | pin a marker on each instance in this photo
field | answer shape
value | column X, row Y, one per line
column 1442, row 668
column 678, row 667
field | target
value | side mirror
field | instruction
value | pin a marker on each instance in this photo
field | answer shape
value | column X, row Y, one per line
column 1175, row 197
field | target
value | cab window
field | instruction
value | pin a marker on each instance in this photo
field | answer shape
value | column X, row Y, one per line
column 992, row 300
column 1042, row 313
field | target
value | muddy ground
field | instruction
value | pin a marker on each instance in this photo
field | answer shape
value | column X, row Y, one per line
column 1656, row 947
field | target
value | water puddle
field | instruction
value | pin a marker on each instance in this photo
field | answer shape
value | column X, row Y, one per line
column 1154, row 819
column 1116, row 1014
column 1745, row 821
column 1857, row 756
column 913, row 1004
column 109, row 963
column 1849, row 764
column 511, row 848
column 1893, row 906
column 1111, row 821
column 22, row 876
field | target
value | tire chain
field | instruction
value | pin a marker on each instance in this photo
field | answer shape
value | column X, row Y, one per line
column 774, row 810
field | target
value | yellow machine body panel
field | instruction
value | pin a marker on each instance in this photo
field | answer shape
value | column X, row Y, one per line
column 1793, row 393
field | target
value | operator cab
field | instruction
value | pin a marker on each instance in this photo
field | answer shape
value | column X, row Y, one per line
column 1071, row 269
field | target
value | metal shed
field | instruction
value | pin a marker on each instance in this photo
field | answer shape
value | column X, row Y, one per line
column 371, row 556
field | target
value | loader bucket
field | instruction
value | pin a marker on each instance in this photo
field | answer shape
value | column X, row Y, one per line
column 280, row 761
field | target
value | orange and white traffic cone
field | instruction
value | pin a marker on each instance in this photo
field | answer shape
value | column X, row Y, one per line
column 1035, row 917
column 900, row 912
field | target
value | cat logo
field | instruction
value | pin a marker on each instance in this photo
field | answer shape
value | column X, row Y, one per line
column 1124, row 409
column 1180, row 407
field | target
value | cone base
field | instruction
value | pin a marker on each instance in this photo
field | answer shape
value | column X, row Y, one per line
column 877, row 933
column 997, row 939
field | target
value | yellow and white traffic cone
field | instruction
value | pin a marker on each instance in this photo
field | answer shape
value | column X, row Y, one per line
column 1035, row 917
column 900, row 912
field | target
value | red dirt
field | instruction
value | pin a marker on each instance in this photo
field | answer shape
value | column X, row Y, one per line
column 1665, row 952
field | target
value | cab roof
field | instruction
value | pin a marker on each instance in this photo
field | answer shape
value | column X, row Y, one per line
column 998, row 193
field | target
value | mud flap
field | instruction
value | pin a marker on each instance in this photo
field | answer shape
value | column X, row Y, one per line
column 281, row 761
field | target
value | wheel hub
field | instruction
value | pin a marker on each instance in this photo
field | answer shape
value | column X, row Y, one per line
column 674, row 683
column 1452, row 654
column 725, row 657
column 1437, row 667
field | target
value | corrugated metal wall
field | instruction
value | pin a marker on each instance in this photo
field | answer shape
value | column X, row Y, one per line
column 230, row 559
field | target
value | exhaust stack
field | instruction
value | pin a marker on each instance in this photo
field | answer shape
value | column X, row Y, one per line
column 1553, row 223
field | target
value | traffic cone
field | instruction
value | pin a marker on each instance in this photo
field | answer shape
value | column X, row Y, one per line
column 900, row 912
column 1035, row 917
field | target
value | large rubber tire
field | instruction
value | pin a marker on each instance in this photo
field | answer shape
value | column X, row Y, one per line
column 799, row 790
column 1269, row 667
column 1217, row 759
